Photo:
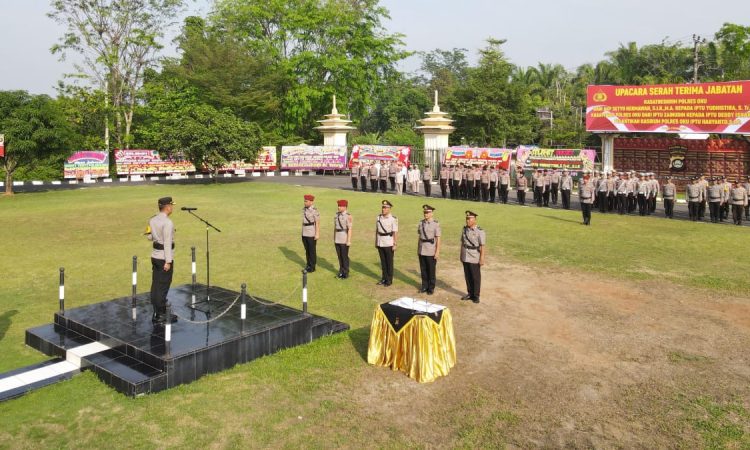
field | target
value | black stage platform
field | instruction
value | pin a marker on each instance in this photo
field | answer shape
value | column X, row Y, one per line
column 139, row 361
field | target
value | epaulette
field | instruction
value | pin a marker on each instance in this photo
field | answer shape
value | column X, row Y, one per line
column 479, row 228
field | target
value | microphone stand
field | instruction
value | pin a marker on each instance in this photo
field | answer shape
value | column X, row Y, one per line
column 208, row 259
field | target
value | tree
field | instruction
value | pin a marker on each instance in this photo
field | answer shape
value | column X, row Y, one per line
column 118, row 40
column 206, row 136
column 734, row 41
column 35, row 129
column 322, row 48
column 488, row 108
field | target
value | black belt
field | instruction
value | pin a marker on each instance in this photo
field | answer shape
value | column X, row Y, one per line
column 385, row 234
column 339, row 230
column 431, row 241
column 470, row 248
column 158, row 246
column 308, row 224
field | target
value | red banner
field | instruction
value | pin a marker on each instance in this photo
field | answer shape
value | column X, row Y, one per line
column 720, row 108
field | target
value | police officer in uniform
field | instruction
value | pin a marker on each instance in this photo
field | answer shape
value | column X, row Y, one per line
column 715, row 197
column 444, row 174
column 566, row 185
column 384, row 178
column 355, row 175
column 161, row 233
column 386, row 235
column 521, row 184
column 669, row 193
column 310, row 232
column 738, row 199
column 694, row 194
column 473, row 241
column 494, row 177
column 364, row 170
column 504, row 185
column 427, row 180
column 484, row 181
column 586, row 194
column 342, row 237
column 428, row 248
column 373, row 177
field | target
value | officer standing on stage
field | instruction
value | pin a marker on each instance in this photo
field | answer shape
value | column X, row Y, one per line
column 428, row 249
column 566, row 185
column 427, row 180
column 161, row 233
column 444, row 175
column 669, row 193
column 738, row 199
column 386, row 235
column 586, row 194
column 342, row 237
column 355, row 175
column 310, row 232
column 473, row 241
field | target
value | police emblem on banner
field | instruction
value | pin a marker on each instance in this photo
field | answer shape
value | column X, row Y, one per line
column 677, row 158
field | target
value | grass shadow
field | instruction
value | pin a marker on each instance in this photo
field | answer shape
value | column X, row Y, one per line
column 558, row 218
column 360, row 340
column 5, row 321
column 439, row 284
column 324, row 264
column 401, row 276
column 293, row 256
column 363, row 269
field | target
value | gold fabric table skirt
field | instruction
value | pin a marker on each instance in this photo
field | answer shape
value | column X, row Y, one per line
column 423, row 349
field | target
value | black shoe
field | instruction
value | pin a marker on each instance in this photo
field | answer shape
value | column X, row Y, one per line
column 161, row 319
column 381, row 282
column 430, row 292
column 421, row 291
column 387, row 283
column 466, row 297
column 475, row 300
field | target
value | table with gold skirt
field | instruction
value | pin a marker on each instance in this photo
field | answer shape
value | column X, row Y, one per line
column 414, row 337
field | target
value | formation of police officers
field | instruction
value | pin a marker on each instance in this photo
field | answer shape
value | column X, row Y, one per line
column 473, row 241
column 622, row 192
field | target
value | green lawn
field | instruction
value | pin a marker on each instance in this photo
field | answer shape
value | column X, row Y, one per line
column 302, row 393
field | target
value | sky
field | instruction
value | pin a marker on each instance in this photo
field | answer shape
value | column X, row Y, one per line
column 567, row 32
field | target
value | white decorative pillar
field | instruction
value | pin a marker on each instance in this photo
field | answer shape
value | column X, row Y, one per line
column 334, row 128
column 608, row 151
column 436, row 128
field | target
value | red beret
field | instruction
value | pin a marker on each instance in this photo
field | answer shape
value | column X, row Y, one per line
column 342, row 203
column 309, row 197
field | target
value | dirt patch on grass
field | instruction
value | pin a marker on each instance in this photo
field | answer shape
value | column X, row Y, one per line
column 559, row 359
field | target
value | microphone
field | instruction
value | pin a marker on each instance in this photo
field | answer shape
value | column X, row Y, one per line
column 187, row 208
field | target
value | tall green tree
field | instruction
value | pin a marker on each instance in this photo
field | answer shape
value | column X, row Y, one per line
column 734, row 42
column 488, row 108
column 322, row 48
column 36, row 130
column 117, row 40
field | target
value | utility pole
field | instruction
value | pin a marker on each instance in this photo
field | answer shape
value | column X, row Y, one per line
column 697, row 42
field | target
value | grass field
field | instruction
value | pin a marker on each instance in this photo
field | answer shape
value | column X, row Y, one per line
column 311, row 396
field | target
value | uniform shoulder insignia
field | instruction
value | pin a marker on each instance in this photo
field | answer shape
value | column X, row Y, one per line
column 436, row 221
column 480, row 229
column 395, row 217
